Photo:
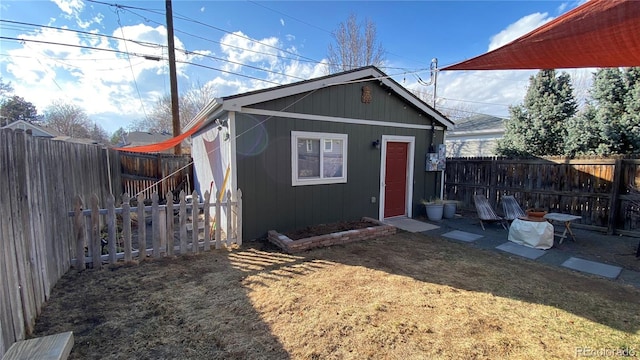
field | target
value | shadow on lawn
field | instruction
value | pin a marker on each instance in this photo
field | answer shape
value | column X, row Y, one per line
column 208, row 306
column 433, row 259
column 190, row 307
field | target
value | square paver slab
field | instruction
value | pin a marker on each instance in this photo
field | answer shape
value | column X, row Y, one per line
column 521, row 250
column 592, row 267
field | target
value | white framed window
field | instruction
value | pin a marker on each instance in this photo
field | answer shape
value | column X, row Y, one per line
column 318, row 158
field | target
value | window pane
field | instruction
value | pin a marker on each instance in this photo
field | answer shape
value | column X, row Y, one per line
column 332, row 161
column 308, row 158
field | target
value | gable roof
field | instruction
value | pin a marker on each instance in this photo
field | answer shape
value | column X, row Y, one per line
column 36, row 130
column 236, row 102
column 598, row 33
column 137, row 138
column 479, row 122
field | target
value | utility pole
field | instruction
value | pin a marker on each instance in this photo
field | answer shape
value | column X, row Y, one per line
column 175, row 108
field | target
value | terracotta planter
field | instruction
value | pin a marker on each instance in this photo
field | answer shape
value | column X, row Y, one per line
column 536, row 213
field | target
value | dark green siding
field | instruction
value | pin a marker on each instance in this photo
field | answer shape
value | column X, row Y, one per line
column 270, row 202
column 344, row 101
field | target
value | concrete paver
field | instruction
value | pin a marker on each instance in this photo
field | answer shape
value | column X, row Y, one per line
column 467, row 230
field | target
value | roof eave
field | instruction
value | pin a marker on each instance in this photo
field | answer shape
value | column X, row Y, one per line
column 212, row 108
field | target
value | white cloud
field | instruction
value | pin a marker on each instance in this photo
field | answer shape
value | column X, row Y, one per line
column 72, row 10
column 202, row 9
column 492, row 92
column 101, row 82
column 240, row 49
column 517, row 29
column 282, row 21
column 70, row 7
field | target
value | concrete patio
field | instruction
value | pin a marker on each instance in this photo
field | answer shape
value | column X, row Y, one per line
column 594, row 253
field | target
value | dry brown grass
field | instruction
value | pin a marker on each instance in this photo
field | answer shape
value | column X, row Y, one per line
column 408, row 296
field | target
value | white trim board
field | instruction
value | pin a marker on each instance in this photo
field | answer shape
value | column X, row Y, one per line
column 368, row 74
column 335, row 119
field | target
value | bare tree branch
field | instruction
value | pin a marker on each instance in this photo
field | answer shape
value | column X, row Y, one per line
column 354, row 46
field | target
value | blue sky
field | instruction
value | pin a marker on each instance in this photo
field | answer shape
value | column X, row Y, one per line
column 275, row 41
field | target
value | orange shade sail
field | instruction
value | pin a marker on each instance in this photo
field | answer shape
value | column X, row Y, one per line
column 164, row 145
column 599, row 33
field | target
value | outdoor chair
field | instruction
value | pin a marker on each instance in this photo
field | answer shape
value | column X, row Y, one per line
column 486, row 212
column 511, row 208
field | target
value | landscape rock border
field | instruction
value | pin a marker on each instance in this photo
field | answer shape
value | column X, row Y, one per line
column 343, row 237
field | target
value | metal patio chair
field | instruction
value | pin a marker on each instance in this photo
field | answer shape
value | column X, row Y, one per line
column 486, row 212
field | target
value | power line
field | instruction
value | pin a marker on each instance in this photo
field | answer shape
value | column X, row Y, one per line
column 154, row 45
column 186, row 18
column 142, row 43
column 298, row 57
column 148, row 57
column 317, row 27
column 133, row 74
column 474, row 102
column 229, row 72
column 135, row 54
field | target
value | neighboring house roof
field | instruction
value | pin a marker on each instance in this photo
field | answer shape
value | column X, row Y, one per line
column 138, row 138
column 143, row 141
column 36, row 130
column 477, row 125
column 475, row 136
column 237, row 102
column 70, row 139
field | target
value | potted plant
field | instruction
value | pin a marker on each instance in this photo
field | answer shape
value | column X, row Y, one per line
column 434, row 208
column 536, row 213
column 449, row 209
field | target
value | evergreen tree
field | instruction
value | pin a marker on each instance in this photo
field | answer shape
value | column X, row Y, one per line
column 610, row 123
column 631, row 117
column 583, row 133
column 17, row 108
column 609, row 93
column 538, row 126
column 117, row 138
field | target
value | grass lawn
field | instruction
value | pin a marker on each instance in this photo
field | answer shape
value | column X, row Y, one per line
column 407, row 296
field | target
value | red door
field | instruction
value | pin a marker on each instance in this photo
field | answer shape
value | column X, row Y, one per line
column 395, row 180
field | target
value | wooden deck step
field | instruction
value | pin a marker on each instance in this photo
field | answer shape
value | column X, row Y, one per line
column 51, row 347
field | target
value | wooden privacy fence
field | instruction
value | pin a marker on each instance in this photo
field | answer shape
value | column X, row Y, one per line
column 599, row 190
column 38, row 180
column 169, row 230
column 148, row 173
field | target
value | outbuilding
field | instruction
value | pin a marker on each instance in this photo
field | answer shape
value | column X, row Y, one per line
column 329, row 149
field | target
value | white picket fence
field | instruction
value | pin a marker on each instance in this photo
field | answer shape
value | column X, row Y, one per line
column 106, row 233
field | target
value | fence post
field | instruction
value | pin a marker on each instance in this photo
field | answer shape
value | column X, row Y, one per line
column 96, row 241
column 229, row 218
column 155, row 224
column 207, row 221
column 80, row 233
column 493, row 193
column 239, row 216
column 613, row 202
column 218, row 219
column 169, row 222
column 111, row 228
column 194, row 222
column 126, row 227
column 142, row 228
column 183, row 223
